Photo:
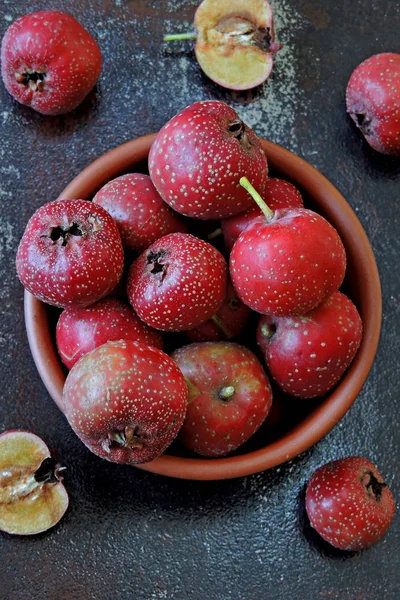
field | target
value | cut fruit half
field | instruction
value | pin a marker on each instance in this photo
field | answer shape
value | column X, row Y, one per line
column 32, row 497
column 235, row 42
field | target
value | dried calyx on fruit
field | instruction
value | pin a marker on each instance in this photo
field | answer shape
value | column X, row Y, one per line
column 32, row 497
column 126, row 438
column 235, row 43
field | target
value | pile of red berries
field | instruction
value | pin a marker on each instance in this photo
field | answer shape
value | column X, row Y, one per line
column 127, row 399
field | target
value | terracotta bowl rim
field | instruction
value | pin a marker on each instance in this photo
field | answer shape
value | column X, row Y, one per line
column 331, row 410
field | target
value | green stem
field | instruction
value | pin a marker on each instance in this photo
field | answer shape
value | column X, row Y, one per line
column 215, row 233
column 268, row 213
column 226, row 393
column 179, row 36
column 221, row 325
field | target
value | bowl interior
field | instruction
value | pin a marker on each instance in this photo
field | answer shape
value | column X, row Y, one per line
column 311, row 419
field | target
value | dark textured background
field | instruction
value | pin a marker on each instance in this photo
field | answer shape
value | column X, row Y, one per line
column 130, row 534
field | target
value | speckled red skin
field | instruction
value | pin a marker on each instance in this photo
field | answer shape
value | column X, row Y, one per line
column 57, row 47
column 308, row 355
column 345, row 507
column 215, row 427
column 181, row 288
column 140, row 213
column 288, row 265
column 80, row 330
column 234, row 316
column 278, row 194
column 120, row 385
column 70, row 270
column 373, row 101
column 198, row 157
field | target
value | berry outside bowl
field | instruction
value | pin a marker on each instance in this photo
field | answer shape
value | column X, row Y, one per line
column 362, row 285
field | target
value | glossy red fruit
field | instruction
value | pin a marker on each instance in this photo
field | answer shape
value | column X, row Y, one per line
column 80, row 330
column 70, row 253
column 140, row 213
column 126, row 401
column 229, row 396
column 49, row 61
column 373, row 101
column 278, row 194
column 177, row 283
column 307, row 355
column 288, row 265
column 227, row 323
column 286, row 262
column 349, row 504
column 32, row 497
column 198, row 157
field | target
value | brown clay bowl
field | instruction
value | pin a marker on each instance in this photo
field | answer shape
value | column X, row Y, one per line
column 362, row 285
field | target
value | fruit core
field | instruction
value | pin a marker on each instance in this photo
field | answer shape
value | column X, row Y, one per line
column 19, row 482
column 240, row 30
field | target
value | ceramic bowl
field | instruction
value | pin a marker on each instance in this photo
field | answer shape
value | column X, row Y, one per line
column 361, row 284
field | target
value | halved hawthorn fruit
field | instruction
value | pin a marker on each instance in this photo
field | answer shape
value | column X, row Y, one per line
column 234, row 41
column 235, row 45
column 32, row 497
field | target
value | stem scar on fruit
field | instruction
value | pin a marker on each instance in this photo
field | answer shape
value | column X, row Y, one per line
column 226, row 392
